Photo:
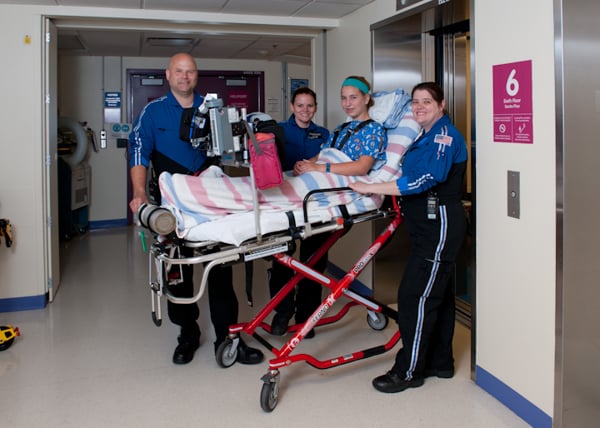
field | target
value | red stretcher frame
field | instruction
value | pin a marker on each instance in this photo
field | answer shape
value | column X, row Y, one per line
column 378, row 314
column 165, row 254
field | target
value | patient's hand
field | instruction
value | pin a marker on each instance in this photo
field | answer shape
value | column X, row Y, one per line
column 303, row 166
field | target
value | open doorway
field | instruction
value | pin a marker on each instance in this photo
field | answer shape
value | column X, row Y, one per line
column 80, row 73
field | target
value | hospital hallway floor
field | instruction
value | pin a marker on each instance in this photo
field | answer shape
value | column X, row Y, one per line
column 94, row 358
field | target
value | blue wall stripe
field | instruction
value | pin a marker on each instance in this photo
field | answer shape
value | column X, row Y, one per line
column 526, row 410
column 23, row 303
column 107, row 224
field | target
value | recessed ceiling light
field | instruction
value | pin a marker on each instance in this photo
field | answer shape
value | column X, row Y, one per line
column 169, row 41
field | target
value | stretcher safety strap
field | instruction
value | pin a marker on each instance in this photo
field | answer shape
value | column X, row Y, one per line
column 294, row 231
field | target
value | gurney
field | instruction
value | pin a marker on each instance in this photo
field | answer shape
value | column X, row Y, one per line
column 266, row 225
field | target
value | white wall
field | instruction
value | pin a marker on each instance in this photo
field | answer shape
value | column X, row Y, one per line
column 21, row 163
column 349, row 53
column 516, row 257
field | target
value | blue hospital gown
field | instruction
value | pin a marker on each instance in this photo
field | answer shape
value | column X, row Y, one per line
column 371, row 140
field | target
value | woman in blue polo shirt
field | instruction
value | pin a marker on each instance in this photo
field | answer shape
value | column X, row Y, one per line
column 431, row 189
column 303, row 140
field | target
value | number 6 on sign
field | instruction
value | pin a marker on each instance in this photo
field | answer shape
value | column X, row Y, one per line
column 512, row 84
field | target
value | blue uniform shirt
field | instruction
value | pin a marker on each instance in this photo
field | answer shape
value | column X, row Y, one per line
column 157, row 128
column 301, row 143
column 430, row 158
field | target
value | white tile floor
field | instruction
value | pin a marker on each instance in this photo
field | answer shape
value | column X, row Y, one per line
column 93, row 358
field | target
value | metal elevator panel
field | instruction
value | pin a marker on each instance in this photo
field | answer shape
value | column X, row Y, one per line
column 577, row 55
column 397, row 55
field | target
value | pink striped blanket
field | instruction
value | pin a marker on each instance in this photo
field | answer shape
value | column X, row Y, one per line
column 216, row 207
column 215, row 200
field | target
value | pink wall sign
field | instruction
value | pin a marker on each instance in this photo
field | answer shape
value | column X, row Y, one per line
column 513, row 106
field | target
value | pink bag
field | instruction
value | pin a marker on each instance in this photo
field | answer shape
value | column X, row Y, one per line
column 265, row 162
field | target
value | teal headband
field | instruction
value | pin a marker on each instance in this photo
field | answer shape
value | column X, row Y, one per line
column 362, row 86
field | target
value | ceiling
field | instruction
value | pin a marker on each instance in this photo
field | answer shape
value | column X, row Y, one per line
column 232, row 42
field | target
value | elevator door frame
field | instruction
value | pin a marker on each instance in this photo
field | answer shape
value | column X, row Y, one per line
column 452, row 47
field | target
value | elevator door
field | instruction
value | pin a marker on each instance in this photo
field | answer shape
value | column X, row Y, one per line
column 452, row 67
column 455, row 77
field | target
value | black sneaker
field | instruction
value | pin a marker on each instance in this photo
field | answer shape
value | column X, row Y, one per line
column 391, row 382
column 184, row 353
column 279, row 325
column 311, row 333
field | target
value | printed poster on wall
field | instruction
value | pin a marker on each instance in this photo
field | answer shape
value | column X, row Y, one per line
column 297, row 83
column 513, row 104
column 112, row 107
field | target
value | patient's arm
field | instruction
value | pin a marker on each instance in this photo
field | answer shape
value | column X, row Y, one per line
column 361, row 166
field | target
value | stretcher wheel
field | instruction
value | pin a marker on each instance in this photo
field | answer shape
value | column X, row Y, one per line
column 226, row 355
column 377, row 321
column 269, row 396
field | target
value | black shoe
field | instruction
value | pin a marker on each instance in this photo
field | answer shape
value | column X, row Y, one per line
column 184, row 353
column 391, row 382
column 248, row 355
column 279, row 325
column 444, row 374
column 311, row 333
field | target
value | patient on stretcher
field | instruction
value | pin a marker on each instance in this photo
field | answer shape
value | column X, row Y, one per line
column 216, row 207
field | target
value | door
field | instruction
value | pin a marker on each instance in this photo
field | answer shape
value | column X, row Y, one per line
column 235, row 88
column 50, row 159
column 453, row 72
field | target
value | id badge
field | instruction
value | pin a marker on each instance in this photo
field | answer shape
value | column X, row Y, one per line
column 432, row 207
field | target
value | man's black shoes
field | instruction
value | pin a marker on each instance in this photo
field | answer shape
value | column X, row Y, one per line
column 248, row 355
column 392, row 382
column 279, row 325
column 310, row 334
column 184, row 353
